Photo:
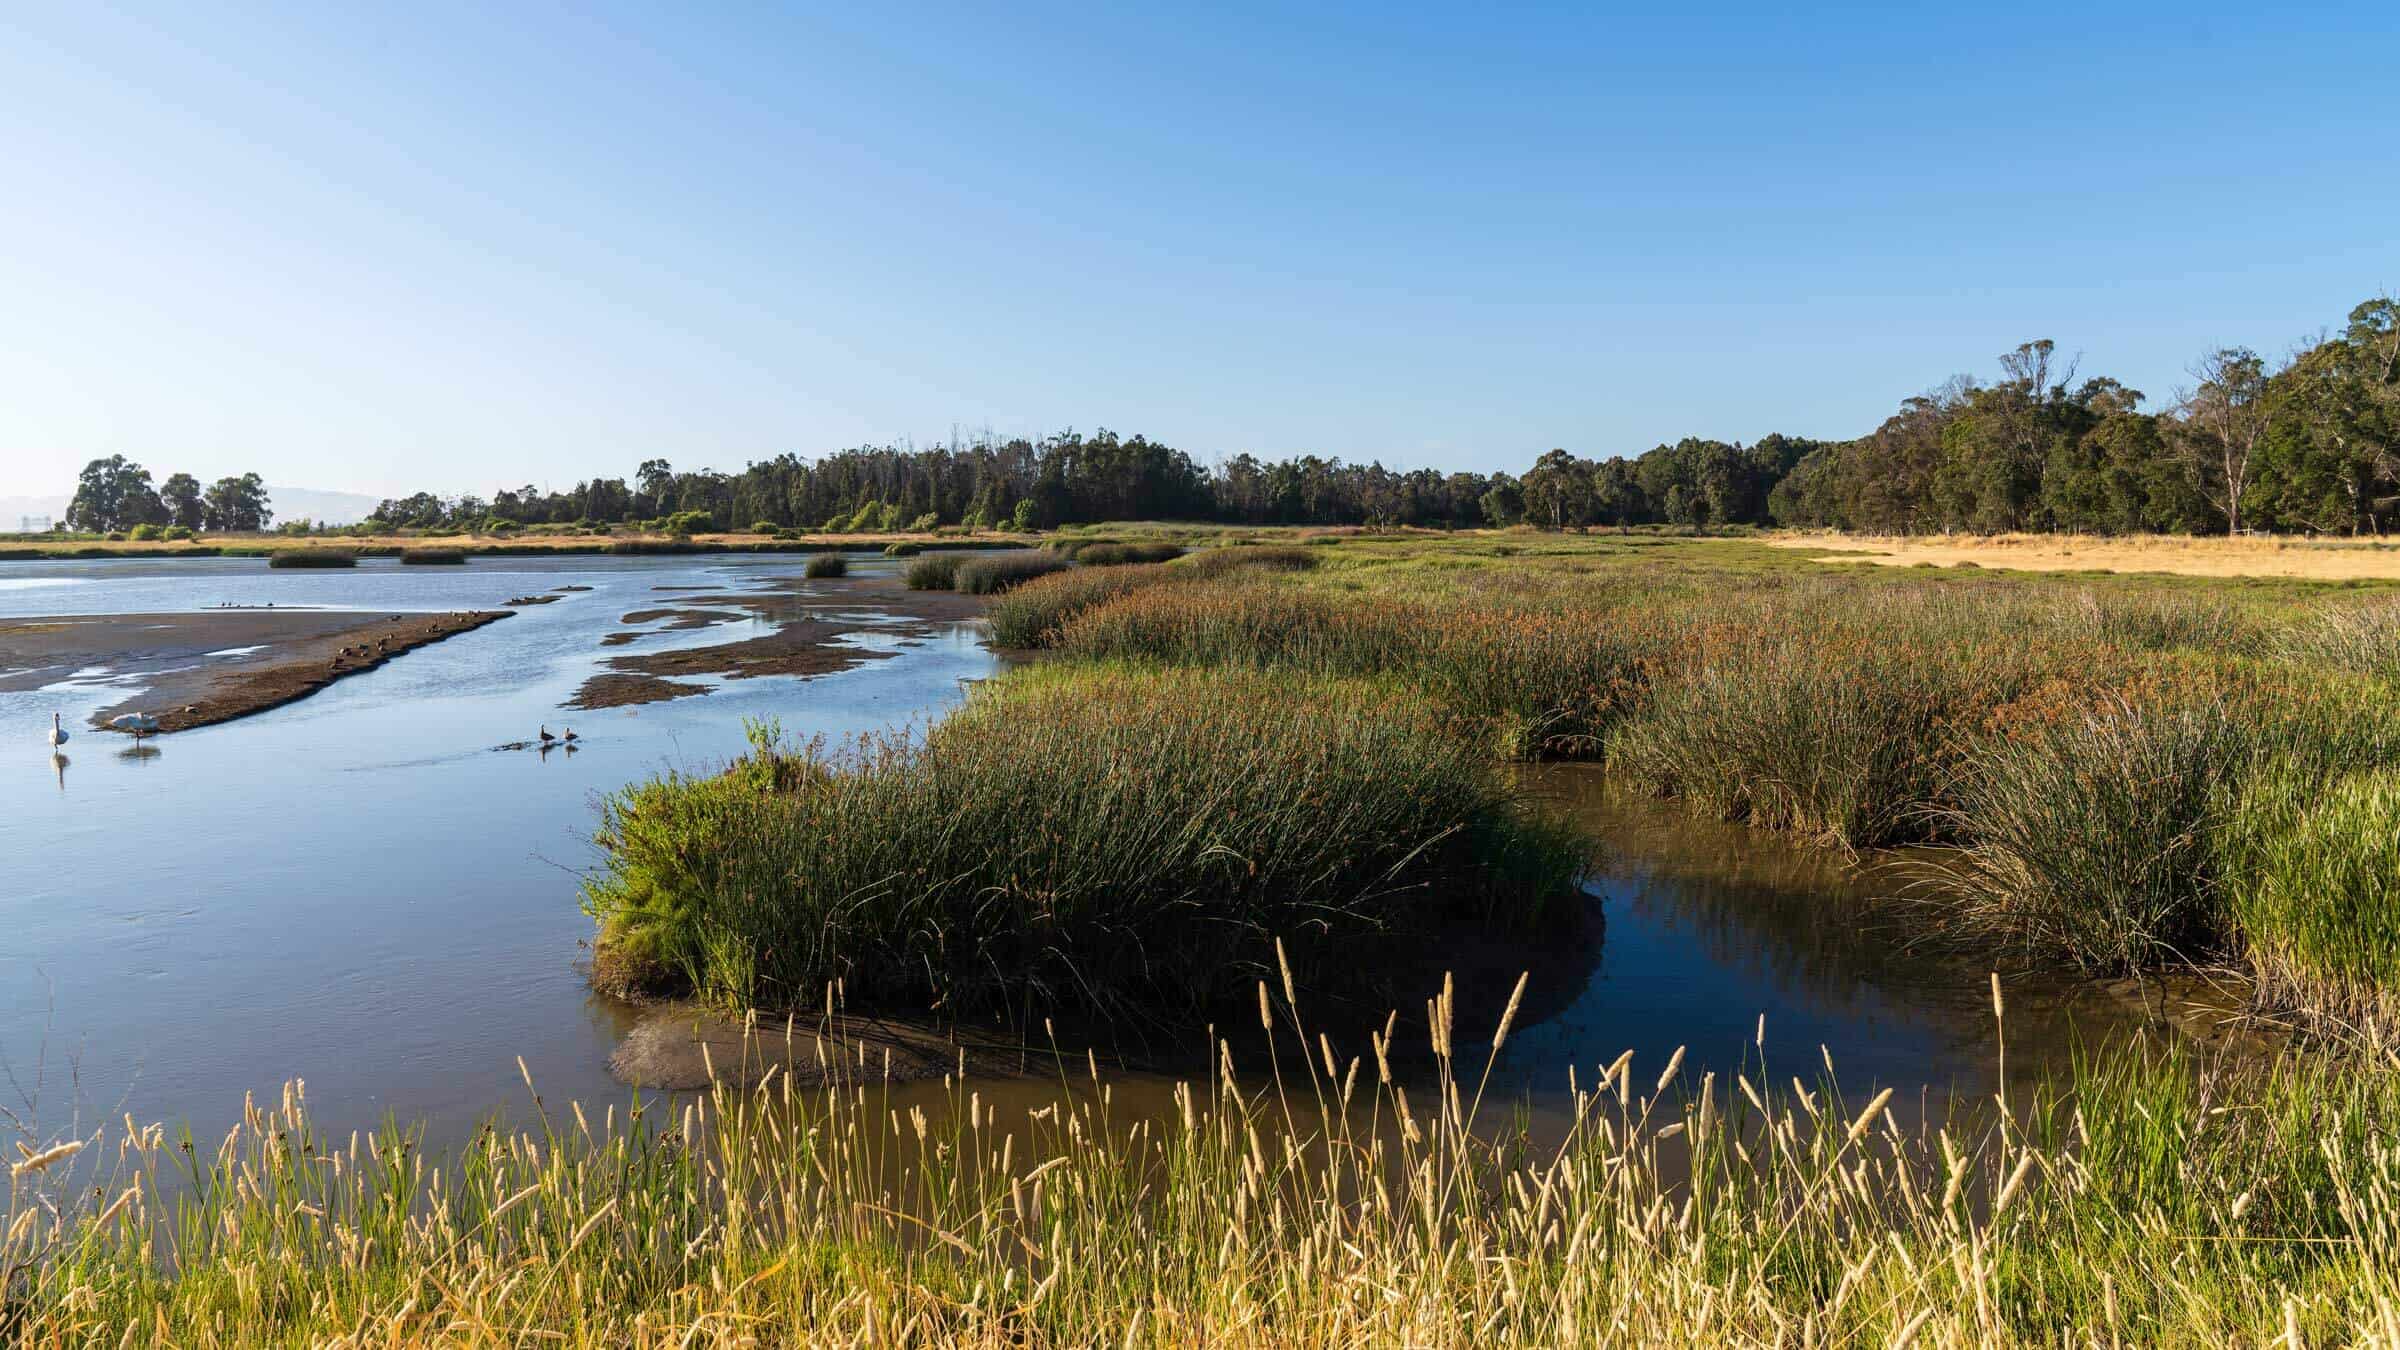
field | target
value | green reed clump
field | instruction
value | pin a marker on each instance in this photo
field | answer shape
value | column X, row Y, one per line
column 2151, row 1197
column 933, row 572
column 312, row 557
column 2159, row 622
column 823, row 565
column 1218, row 562
column 2360, row 638
column 1032, row 614
column 433, row 557
column 2090, row 836
column 903, row 548
column 2311, row 866
column 991, row 576
column 1118, row 555
column 1117, row 842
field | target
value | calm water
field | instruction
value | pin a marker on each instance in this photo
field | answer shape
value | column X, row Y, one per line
column 357, row 890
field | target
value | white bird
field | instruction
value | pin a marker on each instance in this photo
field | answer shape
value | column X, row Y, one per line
column 58, row 733
column 139, row 724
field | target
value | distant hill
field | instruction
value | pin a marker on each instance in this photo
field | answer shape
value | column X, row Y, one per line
column 325, row 508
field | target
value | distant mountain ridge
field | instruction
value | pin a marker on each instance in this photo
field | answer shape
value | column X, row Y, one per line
column 290, row 503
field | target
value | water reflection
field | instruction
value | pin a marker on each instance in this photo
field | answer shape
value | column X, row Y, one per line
column 1712, row 928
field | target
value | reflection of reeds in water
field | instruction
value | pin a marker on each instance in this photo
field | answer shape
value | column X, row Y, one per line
column 2151, row 1199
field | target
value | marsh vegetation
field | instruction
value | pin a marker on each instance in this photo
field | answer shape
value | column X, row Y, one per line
column 1243, row 782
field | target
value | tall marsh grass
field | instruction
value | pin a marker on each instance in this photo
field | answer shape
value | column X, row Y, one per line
column 932, row 572
column 2312, row 867
column 2150, row 1199
column 1118, row 555
column 991, row 576
column 2092, row 837
column 1120, row 843
column 312, row 557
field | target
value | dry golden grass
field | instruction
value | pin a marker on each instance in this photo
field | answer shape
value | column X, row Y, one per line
column 2300, row 559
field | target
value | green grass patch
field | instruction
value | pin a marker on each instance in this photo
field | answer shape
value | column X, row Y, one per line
column 825, row 565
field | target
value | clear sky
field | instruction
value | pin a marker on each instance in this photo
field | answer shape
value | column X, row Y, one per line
column 461, row 246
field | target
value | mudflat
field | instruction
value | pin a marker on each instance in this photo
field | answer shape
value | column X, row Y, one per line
column 811, row 620
column 215, row 665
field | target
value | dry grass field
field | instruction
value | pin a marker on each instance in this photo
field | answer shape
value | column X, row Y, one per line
column 2299, row 559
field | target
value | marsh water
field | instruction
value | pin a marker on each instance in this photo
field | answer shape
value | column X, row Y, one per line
column 358, row 890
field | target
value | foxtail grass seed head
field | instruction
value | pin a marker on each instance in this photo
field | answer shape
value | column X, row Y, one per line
column 1509, row 1015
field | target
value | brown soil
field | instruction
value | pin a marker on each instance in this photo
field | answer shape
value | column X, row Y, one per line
column 807, row 640
column 300, row 652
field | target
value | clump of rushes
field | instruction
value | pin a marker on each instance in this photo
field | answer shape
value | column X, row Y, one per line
column 2312, row 882
column 1118, row 555
column 2090, row 836
column 1217, row 562
column 425, row 557
column 903, row 548
column 932, row 572
column 2361, row 638
column 828, row 565
column 1032, row 614
column 312, row 557
column 1127, row 844
column 991, row 576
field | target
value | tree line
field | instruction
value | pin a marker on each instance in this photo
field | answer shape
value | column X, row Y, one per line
column 2309, row 443
column 115, row 494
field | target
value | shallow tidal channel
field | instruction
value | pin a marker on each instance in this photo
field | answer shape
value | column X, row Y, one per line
column 359, row 890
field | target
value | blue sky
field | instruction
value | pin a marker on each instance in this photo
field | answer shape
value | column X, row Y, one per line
column 460, row 247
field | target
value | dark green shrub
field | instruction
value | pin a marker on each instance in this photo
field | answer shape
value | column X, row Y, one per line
column 312, row 557
column 825, row 565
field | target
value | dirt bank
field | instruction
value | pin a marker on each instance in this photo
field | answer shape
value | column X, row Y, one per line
column 676, row 1046
column 216, row 665
column 812, row 620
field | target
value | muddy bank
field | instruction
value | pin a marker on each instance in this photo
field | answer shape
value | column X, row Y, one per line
column 213, row 666
column 813, row 621
column 680, row 1047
